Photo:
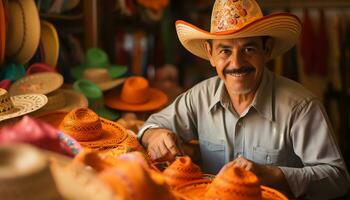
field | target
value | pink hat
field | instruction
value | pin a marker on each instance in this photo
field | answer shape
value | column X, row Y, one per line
column 39, row 67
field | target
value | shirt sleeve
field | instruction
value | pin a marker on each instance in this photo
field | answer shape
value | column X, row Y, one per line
column 324, row 175
column 178, row 117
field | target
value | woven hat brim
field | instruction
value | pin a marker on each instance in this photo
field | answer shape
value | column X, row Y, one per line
column 47, row 81
column 29, row 42
column 50, row 43
column 285, row 28
column 25, row 104
column 104, row 86
column 113, row 71
column 157, row 100
column 73, row 100
column 2, row 33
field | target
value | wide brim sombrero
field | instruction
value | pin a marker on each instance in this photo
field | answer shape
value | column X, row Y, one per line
column 114, row 71
column 195, row 190
column 60, row 175
column 2, row 33
column 49, row 42
column 241, row 19
column 25, row 104
column 157, row 99
column 23, row 30
column 72, row 99
column 41, row 83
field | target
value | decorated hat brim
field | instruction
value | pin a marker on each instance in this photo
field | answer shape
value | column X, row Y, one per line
column 157, row 100
column 285, row 28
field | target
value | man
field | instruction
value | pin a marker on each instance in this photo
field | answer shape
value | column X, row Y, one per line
column 247, row 115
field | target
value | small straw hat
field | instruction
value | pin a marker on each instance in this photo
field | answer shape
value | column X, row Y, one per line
column 101, row 78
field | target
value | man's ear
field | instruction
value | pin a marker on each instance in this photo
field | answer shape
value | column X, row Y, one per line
column 268, row 48
column 209, row 52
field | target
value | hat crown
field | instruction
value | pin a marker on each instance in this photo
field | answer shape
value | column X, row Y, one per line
column 135, row 90
column 6, row 104
column 181, row 171
column 233, row 183
column 96, row 58
column 82, row 124
column 230, row 15
column 97, row 75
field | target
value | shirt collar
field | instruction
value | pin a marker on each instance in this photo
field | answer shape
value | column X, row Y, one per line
column 219, row 95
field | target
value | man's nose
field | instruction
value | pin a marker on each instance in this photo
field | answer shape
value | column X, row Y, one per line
column 236, row 58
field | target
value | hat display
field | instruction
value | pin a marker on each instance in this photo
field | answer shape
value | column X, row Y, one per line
column 95, row 99
column 92, row 131
column 12, row 71
column 24, row 26
column 15, row 106
column 101, row 78
column 231, row 183
column 41, row 83
column 2, row 32
column 49, row 43
column 26, row 170
column 136, row 95
column 97, row 58
column 40, row 134
column 240, row 19
column 38, row 68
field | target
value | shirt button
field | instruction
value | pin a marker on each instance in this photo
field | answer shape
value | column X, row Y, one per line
column 238, row 155
column 239, row 123
column 268, row 158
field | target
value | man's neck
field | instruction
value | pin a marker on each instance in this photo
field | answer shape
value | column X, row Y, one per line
column 241, row 102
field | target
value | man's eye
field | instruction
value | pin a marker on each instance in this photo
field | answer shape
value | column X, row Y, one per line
column 225, row 51
column 249, row 50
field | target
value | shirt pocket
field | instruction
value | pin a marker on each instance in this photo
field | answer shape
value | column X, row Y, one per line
column 213, row 155
column 268, row 156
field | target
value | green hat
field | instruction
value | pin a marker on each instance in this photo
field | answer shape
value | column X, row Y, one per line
column 97, row 58
column 94, row 96
column 12, row 72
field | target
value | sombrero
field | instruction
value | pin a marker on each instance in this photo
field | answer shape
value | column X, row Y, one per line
column 29, row 173
column 24, row 26
column 240, row 19
column 2, row 32
column 136, row 95
column 101, row 78
column 15, row 106
column 49, row 43
column 97, row 58
column 41, row 83
column 232, row 183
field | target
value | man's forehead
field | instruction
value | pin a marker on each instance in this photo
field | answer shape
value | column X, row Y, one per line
column 247, row 40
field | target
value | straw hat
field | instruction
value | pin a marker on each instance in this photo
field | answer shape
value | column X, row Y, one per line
column 240, row 19
column 101, row 78
column 232, row 183
column 95, row 99
column 15, row 106
column 49, row 43
column 2, row 33
column 39, row 68
column 25, row 171
column 24, row 26
column 136, row 95
column 97, row 58
column 92, row 131
column 42, row 83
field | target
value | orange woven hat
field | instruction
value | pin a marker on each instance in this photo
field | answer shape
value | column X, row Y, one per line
column 239, row 19
column 92, row 131
column 232, row 183
column 136, row 95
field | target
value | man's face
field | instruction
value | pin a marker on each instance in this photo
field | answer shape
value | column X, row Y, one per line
column 239, row 62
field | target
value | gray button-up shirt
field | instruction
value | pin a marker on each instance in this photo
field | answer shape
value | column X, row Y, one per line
column 285, row 126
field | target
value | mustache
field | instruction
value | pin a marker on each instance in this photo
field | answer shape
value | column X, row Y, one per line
column 240, row 70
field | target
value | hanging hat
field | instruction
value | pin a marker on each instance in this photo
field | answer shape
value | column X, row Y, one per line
column 97, row 58
column 94, row 96
column 5, row 84
column 49, row 43
column 29, row 173
column 12, row 71
column 90, row 130
column 231, row 183
column 23, row 30
column 101, row 78
column 241, row 19
column 2, row 32
column 136, row 95
column 41, row 83
column 15, row 106
column 40, row 134
column 38, row 68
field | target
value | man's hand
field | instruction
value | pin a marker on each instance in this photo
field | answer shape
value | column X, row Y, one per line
column 161, row 144
column 267, row 174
